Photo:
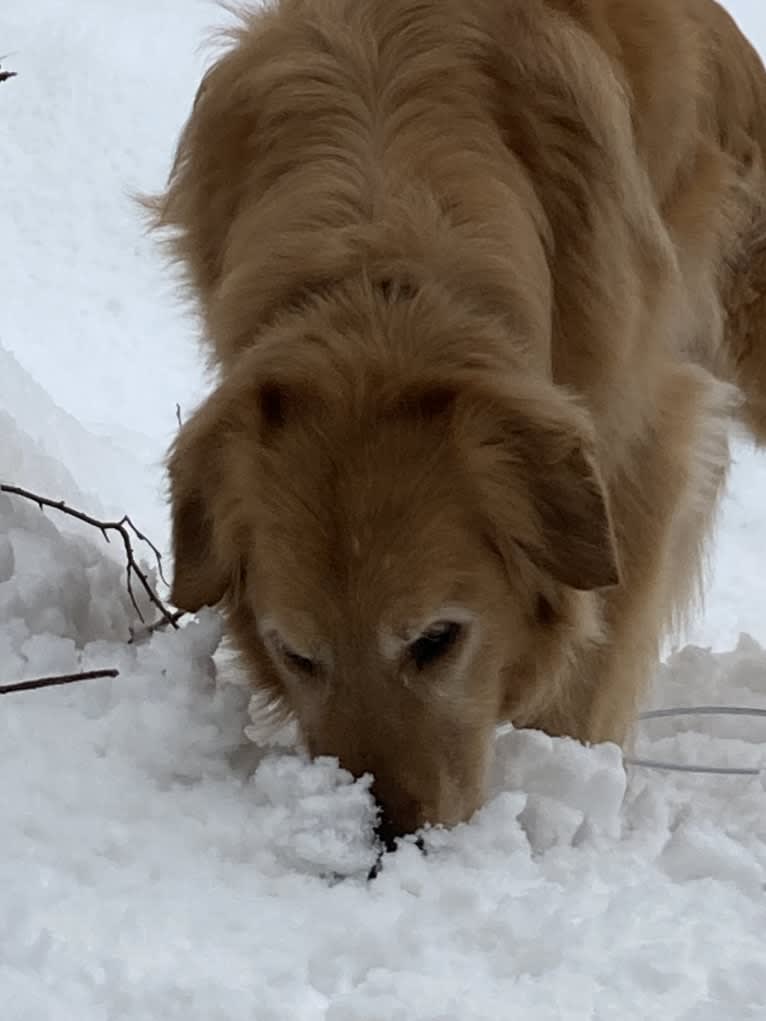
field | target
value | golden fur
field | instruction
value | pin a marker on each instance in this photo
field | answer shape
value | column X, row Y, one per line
column 477, row 276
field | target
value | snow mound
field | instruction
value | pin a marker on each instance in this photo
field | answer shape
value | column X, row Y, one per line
column 58, row 592
column 154, row 862
column 39, row 438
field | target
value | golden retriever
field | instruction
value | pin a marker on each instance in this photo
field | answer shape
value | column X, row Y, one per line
column 482, row 280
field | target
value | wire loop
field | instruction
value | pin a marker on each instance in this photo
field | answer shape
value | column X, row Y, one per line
column 697, row 710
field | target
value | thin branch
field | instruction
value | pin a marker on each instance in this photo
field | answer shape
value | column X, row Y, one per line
column 123, row 527
column 138, row 635
column 53, row 682
column 5, row 75
column 157, row 555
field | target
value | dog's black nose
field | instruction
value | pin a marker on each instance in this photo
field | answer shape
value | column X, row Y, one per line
column 387, row 833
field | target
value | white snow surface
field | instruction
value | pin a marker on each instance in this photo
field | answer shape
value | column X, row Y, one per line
column 154, row 862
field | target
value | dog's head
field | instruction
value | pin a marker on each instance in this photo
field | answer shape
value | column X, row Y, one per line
column 401, row 552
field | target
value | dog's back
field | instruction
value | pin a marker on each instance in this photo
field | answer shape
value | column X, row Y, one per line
column 335, row 131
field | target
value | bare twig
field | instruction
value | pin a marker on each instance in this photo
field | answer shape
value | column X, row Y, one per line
column 157, row 555
column 123, row 527
column 5, row 75
column 140, row 634
column 178, row 415
column 52, row 682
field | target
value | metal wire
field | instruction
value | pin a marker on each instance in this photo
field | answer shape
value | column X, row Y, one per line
column 698, row 710
column 674, row 767
column 702, row 710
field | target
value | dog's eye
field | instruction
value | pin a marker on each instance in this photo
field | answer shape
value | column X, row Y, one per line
column 300, row 664
column 294, row 661
column 434, row 643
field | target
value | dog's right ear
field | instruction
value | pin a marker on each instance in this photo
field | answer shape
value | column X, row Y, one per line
column 214, row 455
column 204, row 550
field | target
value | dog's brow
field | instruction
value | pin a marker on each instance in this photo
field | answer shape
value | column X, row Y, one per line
column 267, row 626
column 391, row 643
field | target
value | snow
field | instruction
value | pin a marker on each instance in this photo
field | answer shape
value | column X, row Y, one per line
column 154, row 862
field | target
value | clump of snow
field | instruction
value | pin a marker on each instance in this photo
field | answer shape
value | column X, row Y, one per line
column 320, row 818
column 571, row 790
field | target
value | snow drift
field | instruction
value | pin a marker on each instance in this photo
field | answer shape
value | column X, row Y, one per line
column 154, row 862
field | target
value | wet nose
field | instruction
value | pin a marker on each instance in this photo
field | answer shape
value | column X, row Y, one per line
column 397, row 818
column 388, row 834
column 387, row 831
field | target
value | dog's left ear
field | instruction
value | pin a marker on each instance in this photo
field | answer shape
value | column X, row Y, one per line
column 534, row 460
column 576, row 538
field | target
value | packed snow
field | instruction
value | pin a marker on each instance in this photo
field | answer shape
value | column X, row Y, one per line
column 161, row 856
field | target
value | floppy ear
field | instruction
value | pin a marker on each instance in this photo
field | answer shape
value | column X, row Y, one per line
column 210, row 464
column 535, row 463
column 199, row 578
column 205, row 554
column 576, row 539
